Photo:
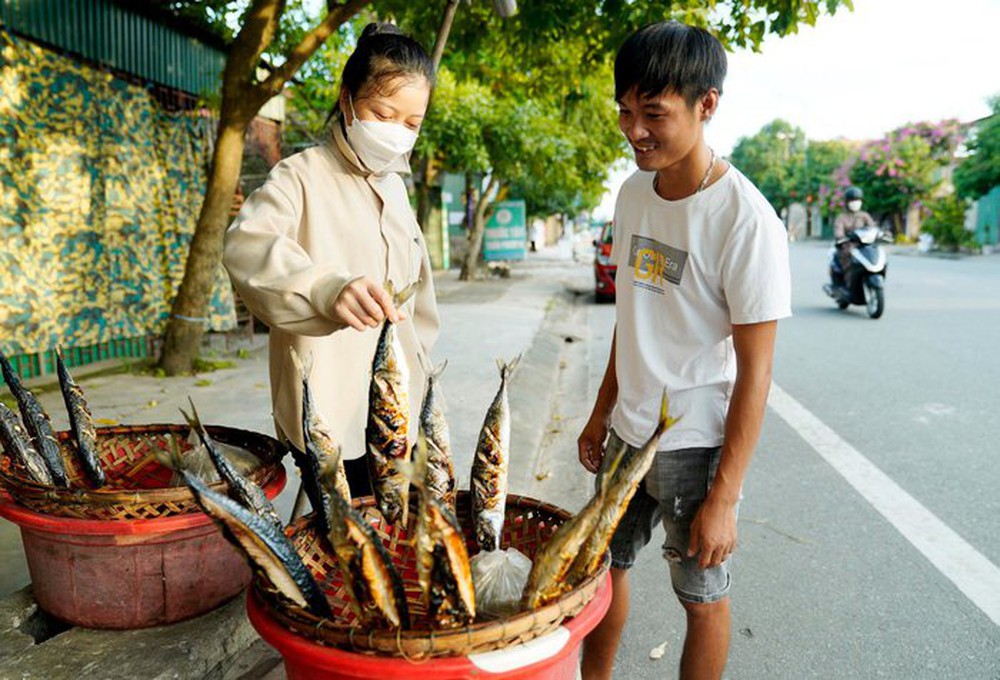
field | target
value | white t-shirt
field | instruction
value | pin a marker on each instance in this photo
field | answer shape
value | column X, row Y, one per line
column 687, row 271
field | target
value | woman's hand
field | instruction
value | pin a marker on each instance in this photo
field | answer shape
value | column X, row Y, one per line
column 363, row 304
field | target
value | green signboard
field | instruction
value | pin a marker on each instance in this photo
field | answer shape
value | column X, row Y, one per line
column 506, row 234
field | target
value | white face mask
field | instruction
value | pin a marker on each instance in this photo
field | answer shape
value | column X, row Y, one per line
column 378, row 143
column 854, row 206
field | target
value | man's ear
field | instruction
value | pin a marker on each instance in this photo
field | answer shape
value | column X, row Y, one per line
column 708, row 104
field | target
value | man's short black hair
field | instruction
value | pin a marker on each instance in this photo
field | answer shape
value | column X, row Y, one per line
column 670, row 57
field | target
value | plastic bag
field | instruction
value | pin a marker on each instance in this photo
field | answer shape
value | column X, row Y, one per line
column 498, row 577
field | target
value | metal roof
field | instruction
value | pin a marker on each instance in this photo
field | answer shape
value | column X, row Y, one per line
column 113, row 35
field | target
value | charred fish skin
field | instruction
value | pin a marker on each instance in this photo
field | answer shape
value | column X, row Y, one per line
column 81, row 423
column 387, row 429
column 489, row 466
column 241, row 489
column 622, row 482
column 366, row 568
column 17, row 444
column 267, row 548
column 310, row 467
column 37, row 424
column 315, row 430
column 441, row 470
column 451, row 598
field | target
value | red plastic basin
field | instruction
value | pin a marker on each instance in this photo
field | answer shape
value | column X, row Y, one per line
column 123, row 574
column 551, row 657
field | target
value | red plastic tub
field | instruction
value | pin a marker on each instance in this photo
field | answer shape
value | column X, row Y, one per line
column 551, row 657
column 123, row 574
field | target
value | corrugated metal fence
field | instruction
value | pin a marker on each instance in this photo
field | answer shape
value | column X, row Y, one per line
column 109, row 34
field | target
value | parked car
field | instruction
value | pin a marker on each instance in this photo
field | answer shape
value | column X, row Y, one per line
column 604, row 268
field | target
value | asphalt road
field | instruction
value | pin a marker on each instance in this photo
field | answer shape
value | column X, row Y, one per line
column 826, row 585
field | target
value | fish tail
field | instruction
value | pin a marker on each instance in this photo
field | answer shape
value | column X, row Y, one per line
column 665, row 421
column 507, row 368
column 438, row 370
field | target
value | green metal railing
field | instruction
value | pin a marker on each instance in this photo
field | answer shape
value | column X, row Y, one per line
column 44, row 363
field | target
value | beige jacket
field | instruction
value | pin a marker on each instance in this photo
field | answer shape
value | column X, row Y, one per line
column 320, row 221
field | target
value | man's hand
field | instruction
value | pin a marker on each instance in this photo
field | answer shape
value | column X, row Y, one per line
column 590, row 444
column 713, row 533
column 365, row 304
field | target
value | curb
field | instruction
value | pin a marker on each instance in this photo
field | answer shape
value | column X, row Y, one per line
column 190, row 649
column 532, row 393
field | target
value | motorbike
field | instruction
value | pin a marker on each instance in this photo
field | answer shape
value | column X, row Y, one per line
column 864, row 281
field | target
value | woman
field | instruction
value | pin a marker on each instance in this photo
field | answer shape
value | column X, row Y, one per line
column 311, row 251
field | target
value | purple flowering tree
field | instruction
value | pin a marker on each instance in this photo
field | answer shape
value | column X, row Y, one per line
column 896, row 171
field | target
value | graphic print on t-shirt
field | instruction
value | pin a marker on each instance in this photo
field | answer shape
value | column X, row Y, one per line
column 654, row 263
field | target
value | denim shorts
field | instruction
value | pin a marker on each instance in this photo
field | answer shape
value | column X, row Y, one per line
column 671, row 494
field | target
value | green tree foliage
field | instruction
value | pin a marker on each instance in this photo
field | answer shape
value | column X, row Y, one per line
column 946, row 223
column 979, row 172
column 773, row 159
column 903, row 168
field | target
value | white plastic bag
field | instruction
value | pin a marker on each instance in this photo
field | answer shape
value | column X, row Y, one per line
column 499, row 577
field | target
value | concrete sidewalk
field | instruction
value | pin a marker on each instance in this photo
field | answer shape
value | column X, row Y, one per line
column 481, row 321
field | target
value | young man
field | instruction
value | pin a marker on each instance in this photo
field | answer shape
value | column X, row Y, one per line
column 702, row 280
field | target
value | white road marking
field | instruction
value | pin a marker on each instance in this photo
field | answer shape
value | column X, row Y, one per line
column 963, row 565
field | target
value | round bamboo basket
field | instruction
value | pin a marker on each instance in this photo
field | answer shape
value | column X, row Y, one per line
column 138, row 485
column 529, row 524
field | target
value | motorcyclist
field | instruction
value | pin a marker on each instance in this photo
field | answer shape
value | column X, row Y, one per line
column 849, row 220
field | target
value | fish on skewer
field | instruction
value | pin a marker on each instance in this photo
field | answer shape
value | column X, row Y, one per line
column 241, row 489
column 443, row 568
column 548, row 577
column 315, row 429
column 489, row 466
column 620, row 491
column 388, row 429
column 367, row 571
column 37, row 424
column 17, row 445
column 440, row 468
column 310, row 460
column 266, row 547
column 81, row 424
column 546, row 581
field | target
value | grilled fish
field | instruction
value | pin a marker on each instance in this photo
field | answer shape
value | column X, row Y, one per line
column 17, row 444
column 620, row 491
column 443, row 569
column 314, row 429
column 310, row 464
column 366, row 568
column 241, row 489
column 267, row 548
column 81, row 423
column 388, row 429
column 489, row 467
column 37, row 424
column 440, row 478
column 546, row 581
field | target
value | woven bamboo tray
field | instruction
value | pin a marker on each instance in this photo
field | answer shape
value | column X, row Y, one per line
column 138, row 486
column 529, row 523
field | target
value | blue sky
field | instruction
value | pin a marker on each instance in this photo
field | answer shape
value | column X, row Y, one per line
column 860, row 74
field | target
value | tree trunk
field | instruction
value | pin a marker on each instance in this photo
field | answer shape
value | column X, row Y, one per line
column 471, row 262
column 426, row 172
column 242, row 98
column 422, row 188
column 186, row 324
